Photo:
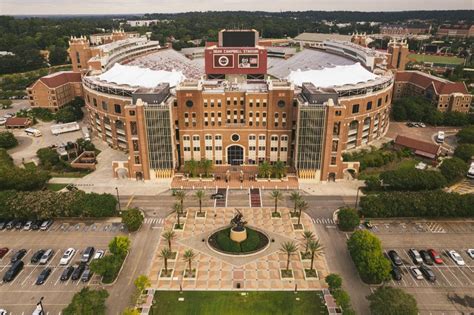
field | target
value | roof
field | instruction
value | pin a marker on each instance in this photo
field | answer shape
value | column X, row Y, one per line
column 319, row 37
column 419, row 146
column 142, row 77
column 17, row 121
column 333, row 76
column 424, row 80
column 60, row 78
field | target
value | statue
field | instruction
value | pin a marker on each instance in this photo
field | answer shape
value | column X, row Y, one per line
column 237, row 222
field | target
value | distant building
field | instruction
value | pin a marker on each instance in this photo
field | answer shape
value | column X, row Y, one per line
column 421, row 148
column 55, row 90
column 446, row 95
column 317, row 39
column 17, row 122
column 106, row 38
column 404, row 29
column 398, row 54
column 140, row 23
column 459, row 30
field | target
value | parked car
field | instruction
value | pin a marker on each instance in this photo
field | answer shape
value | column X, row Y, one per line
column 37, row 256
column 440, row 137
column 456, row 258
column 470, row 252
column 78, row 270
column 87, row 254
column 3, row 311
column 18, row 225
column 99, row 254
column 43, row 276
column 217, row 196
column 46, row 225
column 368, row 224
column 427, row 273
column 27, row 226
column 396, row 260
column 48, row 254
column 3, row 225
column 18, row 255
column 415, row 256
column 435, row 256
column 67, row 273
column 410, row 124
column 426, row 257
column 67, row 256
column 3, row 252
column 396, row 273
column 86, row 276
column 416, row 273
column 11, row 224
column 35, row 225
column 13, row 271
column 421, row 125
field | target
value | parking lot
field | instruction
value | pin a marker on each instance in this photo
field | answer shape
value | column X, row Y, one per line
column 453, row 290
column 21, row 295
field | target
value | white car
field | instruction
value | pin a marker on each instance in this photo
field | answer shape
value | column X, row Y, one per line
column 416, row 273
column 27, row 226
column 456, row 258
column 99, row 254
column 2, row 121
column 3, row 311
column 470, row 252
column 67, row 256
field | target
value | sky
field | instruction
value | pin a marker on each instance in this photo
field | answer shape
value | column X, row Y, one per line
column 41, row 7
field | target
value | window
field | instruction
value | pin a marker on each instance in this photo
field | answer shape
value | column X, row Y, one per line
column 274, row 138
column 235, row 137
column 118, row 108
column 205, row 103
column 283, row 149
column 196, row 149
column 261, row 148
column 379, row 102
column 133, row 128
column 195, row 138
column 218, row 148
column 187, row 149
column 137, row 159
column 218, row 162
column 252, row 148
column 208, row 148
column 369, row 105
column 94, row 101
column 218, row 137
column 252, row 137
column 281, row 103
column 274, row 149
column 131, row 113
column 338, row 113
column 355, row 108
column 261, row 138
column 104, row 105
column 135, row 145
column 333, row 160
column 208, row 137
column 284, row 138
column 189, row 103
column 186, row 138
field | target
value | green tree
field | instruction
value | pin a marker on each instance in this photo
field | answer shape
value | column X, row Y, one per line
column 295, row 197
column 188, row 257
column 366, row 252
column 57, row 55
column 180, row 196
column 48, row 157
column 279, row 169
column 133, row 219
column 308, row 236
column 264, row 169
column 131, row 311
column 168, row 236
column 465, row 152
column 334, row 281
column 348, row 219
column 289, row 248
column 277, row 196
column 301, row 206
column 412, row 179
column 87, row 302
column 166, row 254
column 206, row 166
column 191, row 167
column 142, row 282
column 392, row 301
column 7, row 140
column 454, row 169
column 316, row 249
column 466, row 135
column 200, row 194
column 119, row 245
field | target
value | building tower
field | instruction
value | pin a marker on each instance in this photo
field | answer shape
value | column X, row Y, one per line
column 398, row 51
column 79, row 53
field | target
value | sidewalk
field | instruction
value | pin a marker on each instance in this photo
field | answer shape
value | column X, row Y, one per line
column 342, row 188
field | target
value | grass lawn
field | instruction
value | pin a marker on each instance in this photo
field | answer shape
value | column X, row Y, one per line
column 436, row 59
column 56, row 187
column 406, row 163
column 230, row 303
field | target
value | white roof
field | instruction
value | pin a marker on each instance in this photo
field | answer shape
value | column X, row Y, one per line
column 333, row 76
column 137, row 76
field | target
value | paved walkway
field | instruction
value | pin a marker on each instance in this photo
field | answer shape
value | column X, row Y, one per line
column 218, row 272
column 339, row 188
column 181, row 183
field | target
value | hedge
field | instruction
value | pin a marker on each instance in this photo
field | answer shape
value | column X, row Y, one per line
column 431, row 204
column 412, row 179
column 250, row 244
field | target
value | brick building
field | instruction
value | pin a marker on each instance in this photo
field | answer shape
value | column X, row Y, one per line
column 459, row 30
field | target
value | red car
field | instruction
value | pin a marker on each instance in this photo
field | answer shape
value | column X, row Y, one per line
column 3, row 252
column 435, row 256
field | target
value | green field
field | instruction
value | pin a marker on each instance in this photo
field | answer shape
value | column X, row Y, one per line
column 436, row 59
column 233, row 303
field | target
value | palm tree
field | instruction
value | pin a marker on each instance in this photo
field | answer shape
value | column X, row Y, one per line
column 315, row 248
column 289, row 248
column 264, row 169
column 206, row 166
column 277, row 196
column 295, row 197
column 188, row 256
column 190, row 167
column 200, row 195
column 165, row 254
column 169, row 236
column 177, row 208
column 180, row 195
column 308, row 236
column 302, row 205
column 279, row 169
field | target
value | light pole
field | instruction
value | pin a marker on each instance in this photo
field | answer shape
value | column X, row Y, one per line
column 118, row 198
column 357, row 196
column 39, row 307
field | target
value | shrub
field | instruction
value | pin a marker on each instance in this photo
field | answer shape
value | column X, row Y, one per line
column 412, row 179
column 225, row 243
column 133, row 219
column 392, row 301
column 7, row 140
column 465, row 152
column 372, row 158
column 348, row 219
column 366, row 252
column 334, row 281
column 87, row 302
column 466, row 135
column 454, row 169
column 252, row 241
column 108, row 267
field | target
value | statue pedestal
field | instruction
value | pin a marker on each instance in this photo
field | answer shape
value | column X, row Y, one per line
column 238, row 236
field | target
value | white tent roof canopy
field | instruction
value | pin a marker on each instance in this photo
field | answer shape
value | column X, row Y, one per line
column 137, row 76
column 335, row 76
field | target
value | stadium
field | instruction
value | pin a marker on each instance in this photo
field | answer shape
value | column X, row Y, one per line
column 235, row 103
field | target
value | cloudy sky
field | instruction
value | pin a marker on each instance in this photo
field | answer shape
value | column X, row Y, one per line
column 37, row 7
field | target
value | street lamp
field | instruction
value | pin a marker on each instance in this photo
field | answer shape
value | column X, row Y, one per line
column 39, row 307
column 118, row 198
column 357, row 196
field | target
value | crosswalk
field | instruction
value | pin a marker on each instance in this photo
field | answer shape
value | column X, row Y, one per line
column 435, row 227
column 154, row 220
column 325, row 221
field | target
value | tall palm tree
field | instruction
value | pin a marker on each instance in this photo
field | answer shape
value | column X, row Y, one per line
column 316, row 249
column 200, row 195
column 264, row 169
column 165, row 254
column 188, row 256
column 308, row 236
column 289, row 248
column 279, row 169
column 206, row 166
column 277, row 196
column 180, row 195
column 191, row 167
column 295, row 197
column 169, row 236
column 301, row 206
column 178, row 209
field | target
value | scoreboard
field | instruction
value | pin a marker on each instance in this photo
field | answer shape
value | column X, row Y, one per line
column 240, row 60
